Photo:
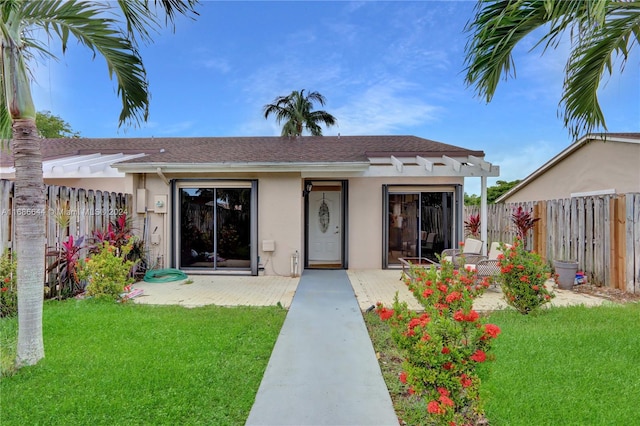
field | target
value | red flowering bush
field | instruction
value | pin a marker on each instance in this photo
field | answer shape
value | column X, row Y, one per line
column 522, row 277
column 8, row 285
column 443, row 344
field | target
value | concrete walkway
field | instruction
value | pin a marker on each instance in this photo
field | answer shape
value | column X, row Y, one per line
column 323, row 369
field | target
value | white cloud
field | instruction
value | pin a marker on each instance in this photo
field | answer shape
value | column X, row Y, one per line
column 516, row 162
column 217, row 64
column 383, row 109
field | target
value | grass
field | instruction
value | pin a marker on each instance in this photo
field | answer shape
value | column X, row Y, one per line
column 563, row 366
column 134, row 364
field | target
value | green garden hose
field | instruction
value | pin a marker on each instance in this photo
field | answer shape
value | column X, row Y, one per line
column 164, row 275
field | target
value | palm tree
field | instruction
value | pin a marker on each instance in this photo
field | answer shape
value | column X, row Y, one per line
column 600, row 31
column 95, row 26
column 296, row 110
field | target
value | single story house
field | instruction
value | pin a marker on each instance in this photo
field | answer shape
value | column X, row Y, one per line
column 593, row 165
column 277, row 205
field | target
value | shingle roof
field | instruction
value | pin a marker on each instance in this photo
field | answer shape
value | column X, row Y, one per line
column 202, row 150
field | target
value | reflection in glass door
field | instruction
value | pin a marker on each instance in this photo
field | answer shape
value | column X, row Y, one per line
column 215, row 228
column 403, row 226
column 420, row 224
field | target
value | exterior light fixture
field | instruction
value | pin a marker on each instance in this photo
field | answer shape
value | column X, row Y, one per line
column 307, row 189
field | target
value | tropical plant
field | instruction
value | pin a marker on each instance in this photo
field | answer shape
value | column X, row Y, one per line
column 472, row 225
column 112, row 35
column 66, row 257
column 108, row 271
column 295, row 110
column 118, row 234
column 8, row 290
column 523, row 222
column 600, row 31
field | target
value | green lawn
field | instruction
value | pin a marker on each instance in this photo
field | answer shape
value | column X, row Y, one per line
column 563, row 366
column 108, row 363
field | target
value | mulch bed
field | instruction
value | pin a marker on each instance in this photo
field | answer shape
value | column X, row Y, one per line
column 612, row 294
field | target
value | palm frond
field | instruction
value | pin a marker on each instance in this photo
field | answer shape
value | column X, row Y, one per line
column 587, row 64
column 5, row 118
column 87, row 22
column 141, row 15
column 598, row 29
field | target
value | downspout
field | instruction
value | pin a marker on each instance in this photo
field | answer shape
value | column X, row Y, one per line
column 162, row 176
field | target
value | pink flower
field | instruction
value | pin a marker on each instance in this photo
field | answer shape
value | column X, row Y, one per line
column 403, row 377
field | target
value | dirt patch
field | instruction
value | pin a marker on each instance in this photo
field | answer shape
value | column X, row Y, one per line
column 612, row 294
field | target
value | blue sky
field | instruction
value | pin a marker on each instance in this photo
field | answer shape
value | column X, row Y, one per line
column 384, row 67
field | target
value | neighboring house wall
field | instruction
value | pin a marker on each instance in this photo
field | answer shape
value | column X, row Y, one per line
column 596, row 166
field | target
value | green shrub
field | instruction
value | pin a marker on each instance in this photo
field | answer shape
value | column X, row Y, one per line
column 107, row 271
column 522, row 277
column 8, row 285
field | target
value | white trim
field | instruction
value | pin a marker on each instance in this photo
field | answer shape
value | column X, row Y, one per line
column 427, row 164
column 592, row 193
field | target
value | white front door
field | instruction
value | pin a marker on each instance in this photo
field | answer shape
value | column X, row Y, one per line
column 325, row 227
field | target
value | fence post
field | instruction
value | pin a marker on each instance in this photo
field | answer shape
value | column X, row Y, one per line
column 632, row 269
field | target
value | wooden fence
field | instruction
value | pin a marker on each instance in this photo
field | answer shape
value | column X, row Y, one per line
column 69, row 211
column 601, row 232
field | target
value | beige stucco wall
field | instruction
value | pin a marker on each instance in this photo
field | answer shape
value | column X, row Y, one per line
column 365, row 217
column 594, row 167
column 281, row 217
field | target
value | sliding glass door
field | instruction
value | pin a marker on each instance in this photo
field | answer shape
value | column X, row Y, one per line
column 214, row 227
column 419, row 223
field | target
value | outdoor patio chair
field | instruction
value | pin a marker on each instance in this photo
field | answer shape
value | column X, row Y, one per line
column 487, row 266
column 471, row 250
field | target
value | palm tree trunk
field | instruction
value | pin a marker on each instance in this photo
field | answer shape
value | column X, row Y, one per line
column 29, row 219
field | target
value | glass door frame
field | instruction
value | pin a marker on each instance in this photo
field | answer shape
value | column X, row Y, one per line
column 389, row 189
column 175, row 220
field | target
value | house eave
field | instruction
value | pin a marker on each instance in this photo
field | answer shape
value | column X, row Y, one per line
column 245, row 167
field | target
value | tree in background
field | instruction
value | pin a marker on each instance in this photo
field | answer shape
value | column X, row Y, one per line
column 52, row 126
column 296, row 111
column 109, row 29
column 493, row 193
column 600, row 32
